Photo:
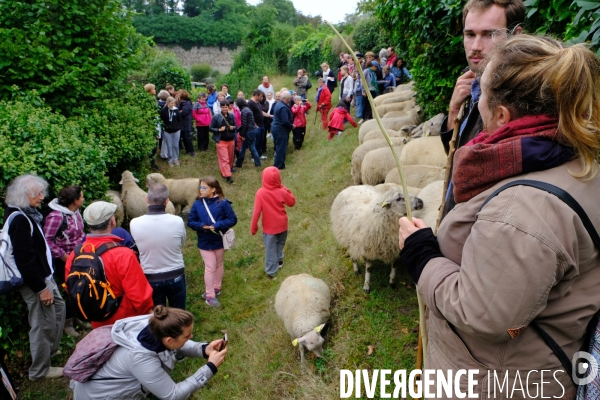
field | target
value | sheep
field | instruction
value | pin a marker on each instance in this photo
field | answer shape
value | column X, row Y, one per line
column 360, row 152
column 432, row 196
column 394, row 114
column 377, row 163
column 417, row 176
column 392, row 106
column 431, row 127
column 405, row 86
column 182, row 192
column 302, row 303
column 364, row 220
column 379, row 99
column 115, row 198
column 413, row 118
column 424, row 151
column 134, row 198
column 376, row 135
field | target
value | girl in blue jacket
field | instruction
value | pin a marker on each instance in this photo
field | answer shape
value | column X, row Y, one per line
column 211, row 202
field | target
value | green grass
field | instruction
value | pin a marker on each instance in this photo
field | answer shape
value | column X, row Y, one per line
column 261, row 362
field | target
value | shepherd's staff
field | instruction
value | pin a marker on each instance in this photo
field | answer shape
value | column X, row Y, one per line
column 422, row 332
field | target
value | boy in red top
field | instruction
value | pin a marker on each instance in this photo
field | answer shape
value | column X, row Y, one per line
column 270, row 200
column 323, row 101
column 299, row 110
column 336, row 120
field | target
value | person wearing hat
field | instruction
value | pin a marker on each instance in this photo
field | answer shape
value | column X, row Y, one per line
column 121, row 266
column 328, row 76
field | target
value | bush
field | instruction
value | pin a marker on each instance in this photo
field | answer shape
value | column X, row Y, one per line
column 200, row 71
column 162, row 67
column 369, row 35
column 312, row 52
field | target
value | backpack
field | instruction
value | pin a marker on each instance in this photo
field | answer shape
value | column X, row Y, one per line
column 10, row 276
column 90, row 354
column 88, row 291
column 64, row 224
column 308, row 84
column 586, row 380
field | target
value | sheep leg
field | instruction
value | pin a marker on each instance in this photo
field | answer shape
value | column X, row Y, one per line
column 301, row 348
column 368, row 267
column 393, row 276
column 355, row 265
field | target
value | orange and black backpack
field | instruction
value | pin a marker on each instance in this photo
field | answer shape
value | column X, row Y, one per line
column 88, row 291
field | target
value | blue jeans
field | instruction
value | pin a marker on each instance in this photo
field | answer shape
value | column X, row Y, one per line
column 281, row 140
column 359, row 105
column 249, row 143
column 261, row 141
column 172, row 290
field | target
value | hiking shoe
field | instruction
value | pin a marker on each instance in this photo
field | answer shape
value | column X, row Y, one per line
column 217, row 292
column 213, row 302
column 271, row 276
column 281, row 264
column 83, row 324
column 234, row 170
column 53, row 372
column 70, row 330
column 229, row 180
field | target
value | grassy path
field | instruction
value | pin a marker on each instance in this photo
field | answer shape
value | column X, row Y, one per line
column 262, row 363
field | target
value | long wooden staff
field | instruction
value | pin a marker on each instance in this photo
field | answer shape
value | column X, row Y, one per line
column 422, row 349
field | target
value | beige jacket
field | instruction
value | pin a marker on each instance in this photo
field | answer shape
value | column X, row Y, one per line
column 525, row 256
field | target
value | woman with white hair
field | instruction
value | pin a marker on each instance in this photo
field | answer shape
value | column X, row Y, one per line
column 34, row 261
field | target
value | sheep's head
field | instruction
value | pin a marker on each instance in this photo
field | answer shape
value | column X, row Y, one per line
column 154, row 178
column 396, row 202
column 127, row 175
column 312, row 340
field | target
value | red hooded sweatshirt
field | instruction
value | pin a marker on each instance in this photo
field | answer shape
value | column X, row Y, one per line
column 270, row 200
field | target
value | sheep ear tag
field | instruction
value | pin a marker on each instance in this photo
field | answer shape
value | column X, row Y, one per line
column 319, row 328
column 295, row 342
column 385, row 204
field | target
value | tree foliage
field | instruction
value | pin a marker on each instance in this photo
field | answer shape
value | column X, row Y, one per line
column 369, row 35
column 311, row 52
column 69, row 51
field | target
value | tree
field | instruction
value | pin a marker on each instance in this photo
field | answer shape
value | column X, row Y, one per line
column 70, row 51
column 192, row 8
column 284, row 10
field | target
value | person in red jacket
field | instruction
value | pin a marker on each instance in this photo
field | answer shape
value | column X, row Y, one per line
column 299, row 110
column 270, row 200
column 121, row 266
column 202, row 116
column 323, row 101
column 336, row 120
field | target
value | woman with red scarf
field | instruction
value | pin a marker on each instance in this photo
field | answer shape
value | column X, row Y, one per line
column 502, row 272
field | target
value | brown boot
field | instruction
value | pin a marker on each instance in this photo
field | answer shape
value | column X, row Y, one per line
column 70, row 329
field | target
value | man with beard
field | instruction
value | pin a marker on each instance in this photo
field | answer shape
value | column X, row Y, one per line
column 485, row 22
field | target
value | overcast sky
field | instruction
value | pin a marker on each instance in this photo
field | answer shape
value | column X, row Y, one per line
column 333, row 11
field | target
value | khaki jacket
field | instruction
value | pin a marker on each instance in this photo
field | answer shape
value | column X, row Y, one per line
column 525, row 256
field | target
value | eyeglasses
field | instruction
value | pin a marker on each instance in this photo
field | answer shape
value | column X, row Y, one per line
column 202, row 187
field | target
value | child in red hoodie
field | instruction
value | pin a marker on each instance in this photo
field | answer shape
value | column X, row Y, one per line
column 299, row 110
column 270, row 200
column 336, row 120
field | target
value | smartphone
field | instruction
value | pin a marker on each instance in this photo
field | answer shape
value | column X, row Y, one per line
column 223, row 343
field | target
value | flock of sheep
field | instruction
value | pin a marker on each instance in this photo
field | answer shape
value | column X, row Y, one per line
column 364, row 217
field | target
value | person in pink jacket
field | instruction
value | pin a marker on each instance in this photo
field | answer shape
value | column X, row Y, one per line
column 270, row 201
column 299, row 110
column 202, row 116
column 336, row 120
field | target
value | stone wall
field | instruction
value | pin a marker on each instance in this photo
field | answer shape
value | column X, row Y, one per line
column 219, row 59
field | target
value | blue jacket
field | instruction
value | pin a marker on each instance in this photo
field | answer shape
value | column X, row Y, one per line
column 283, row 120
column 224, row 217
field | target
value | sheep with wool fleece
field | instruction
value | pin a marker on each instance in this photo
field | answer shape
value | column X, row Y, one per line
column 134, row 198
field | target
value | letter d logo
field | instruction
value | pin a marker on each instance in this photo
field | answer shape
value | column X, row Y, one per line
column 585, row 368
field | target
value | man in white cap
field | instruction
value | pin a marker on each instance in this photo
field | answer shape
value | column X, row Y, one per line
column 121, row 266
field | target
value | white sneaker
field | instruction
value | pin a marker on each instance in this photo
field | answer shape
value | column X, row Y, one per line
column 263, row 157
column 361, row 121
column 339, row 133
column 53, row 372
column 269, row 136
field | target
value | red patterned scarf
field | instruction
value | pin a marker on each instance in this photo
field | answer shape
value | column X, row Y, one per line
column 527, row 144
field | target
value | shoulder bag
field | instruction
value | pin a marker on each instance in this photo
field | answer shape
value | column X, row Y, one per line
column 228, row 237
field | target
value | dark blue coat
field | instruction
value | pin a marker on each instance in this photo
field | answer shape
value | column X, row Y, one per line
column 224, row 217
column 283, row 120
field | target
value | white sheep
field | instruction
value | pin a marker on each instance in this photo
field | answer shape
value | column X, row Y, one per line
column 359, row 154
column 404, row 86
column 424, row 151
column 391, row 106
column 182, row 192
column 376, row 135
column 377, row 163
column 404, row 94
column 413, row 118
column 417, row 176
column 134, row 198
column 432, row 196
column 115, row 198
column 431, row 127
column 364, row 220
column 302, row 303
column 394, row 114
